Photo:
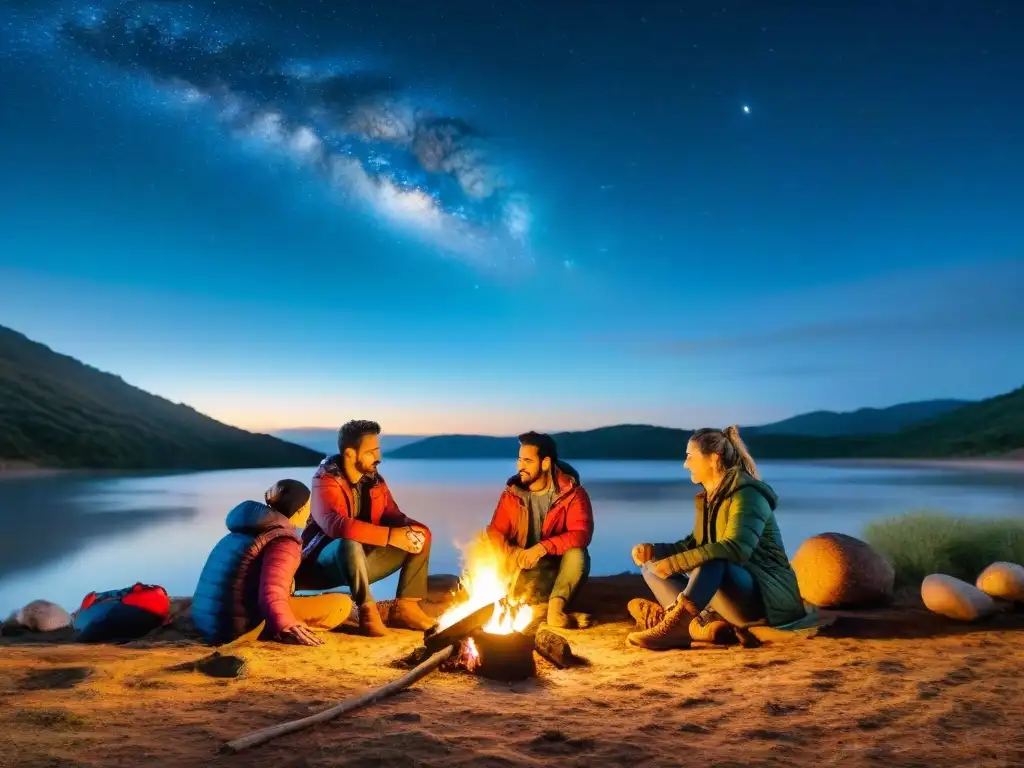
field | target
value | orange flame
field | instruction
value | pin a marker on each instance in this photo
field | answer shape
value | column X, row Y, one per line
column 486, row 580
column 471, row 655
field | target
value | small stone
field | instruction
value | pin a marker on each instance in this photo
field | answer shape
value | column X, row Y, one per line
column 1004, row 581
column 955, row 599
column 37, row 616
column 217, row 665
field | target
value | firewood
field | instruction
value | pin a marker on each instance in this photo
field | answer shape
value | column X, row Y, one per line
column 260, row 737
column 553, row 647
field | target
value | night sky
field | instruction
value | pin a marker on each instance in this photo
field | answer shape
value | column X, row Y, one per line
column 480, row 216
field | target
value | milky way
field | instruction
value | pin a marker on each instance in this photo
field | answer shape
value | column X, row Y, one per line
column 352, row 125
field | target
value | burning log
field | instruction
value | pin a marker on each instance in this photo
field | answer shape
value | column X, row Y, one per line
column 438, row 636
column 555, row 648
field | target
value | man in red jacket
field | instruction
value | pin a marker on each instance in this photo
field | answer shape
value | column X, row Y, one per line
column 357, row 535
column 543, row 524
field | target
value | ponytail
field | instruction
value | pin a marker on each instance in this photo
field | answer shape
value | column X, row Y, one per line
column 743, row 457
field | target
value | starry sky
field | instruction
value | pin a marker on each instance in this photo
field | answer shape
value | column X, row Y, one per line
column 478, row 216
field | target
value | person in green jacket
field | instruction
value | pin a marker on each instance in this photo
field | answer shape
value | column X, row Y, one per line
column 732, row 570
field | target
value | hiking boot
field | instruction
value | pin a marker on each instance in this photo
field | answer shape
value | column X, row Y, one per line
column 370, row 623
column 647, row 613
column 711, row 628
column 557, row 617
column 407, row 614
column 671, row 632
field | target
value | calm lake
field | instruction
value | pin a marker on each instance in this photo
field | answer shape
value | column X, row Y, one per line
column 67, row 535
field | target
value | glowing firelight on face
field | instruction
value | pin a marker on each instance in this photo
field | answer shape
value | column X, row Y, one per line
column 485, row 581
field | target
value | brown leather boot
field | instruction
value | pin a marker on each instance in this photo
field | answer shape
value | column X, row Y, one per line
column 557, row 617
column 370, row 623
column 407, row 614
column 711, row 628
column 671, row 632
column 647, row 613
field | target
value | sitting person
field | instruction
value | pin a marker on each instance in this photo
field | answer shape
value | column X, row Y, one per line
column 248, row 577
column 734, row 563
column 543, row 525
column 357, row 535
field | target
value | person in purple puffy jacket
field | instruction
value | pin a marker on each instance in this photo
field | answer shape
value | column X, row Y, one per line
column 249, row 576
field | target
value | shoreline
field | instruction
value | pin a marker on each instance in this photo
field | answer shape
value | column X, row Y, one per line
column 1012, row 463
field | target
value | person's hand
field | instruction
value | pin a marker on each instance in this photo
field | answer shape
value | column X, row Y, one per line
column 299, row 634
column 642, row 553
column 662, row 568
column 528, row 558
column 515, row 554
column 409, row 538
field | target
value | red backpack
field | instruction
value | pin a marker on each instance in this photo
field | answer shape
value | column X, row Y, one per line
column 122, row 614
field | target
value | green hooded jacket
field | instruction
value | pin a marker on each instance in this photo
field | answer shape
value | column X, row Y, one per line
column 739, row 526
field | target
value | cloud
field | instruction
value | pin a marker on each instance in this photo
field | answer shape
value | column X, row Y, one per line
column 936, row 306
column 356, row 127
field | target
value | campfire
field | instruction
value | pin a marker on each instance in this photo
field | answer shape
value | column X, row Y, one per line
column 486, row 632
column 487, row 623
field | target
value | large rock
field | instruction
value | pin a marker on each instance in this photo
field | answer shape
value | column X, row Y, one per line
column 955, row 599
column 833, row 570
column 1004, row 581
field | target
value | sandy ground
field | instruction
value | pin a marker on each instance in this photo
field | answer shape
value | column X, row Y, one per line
column 893, row 687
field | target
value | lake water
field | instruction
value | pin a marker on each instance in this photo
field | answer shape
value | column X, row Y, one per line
column 67, row 535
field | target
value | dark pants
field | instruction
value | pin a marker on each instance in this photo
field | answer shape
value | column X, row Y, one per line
column 727, row 588
column 347, row 563
column 554, row 576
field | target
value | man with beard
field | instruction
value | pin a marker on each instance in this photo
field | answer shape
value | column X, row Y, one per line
column 357, row 535
column 543, row 525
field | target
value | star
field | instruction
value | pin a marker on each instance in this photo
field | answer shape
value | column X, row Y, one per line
column 746, row 109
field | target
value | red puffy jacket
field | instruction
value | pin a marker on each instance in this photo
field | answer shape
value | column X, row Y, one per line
column 568, row 524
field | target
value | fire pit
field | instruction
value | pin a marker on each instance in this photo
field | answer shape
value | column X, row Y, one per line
column 491, row 633
column 489, row 640
column 500, row 657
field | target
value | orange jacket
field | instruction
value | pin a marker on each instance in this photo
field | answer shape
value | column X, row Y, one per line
column 568, row 524
column 333, row 511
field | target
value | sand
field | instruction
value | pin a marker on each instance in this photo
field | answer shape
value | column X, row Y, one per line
column 888, row 687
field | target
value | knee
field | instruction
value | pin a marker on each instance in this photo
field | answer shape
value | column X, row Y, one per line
column 576, row 561
column 340, row 608
column 576, row 556
column 348, row 550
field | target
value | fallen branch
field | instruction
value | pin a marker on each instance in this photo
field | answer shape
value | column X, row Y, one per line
column 260, row 737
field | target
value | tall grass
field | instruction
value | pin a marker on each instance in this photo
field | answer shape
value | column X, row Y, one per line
column 921, row 543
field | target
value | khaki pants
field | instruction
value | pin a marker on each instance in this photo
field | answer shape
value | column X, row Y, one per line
column 325, row 611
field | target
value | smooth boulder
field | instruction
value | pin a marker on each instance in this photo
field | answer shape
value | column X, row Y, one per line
column 835, row 570
column 37, row 616
column 1004, row 581
column 955, row 599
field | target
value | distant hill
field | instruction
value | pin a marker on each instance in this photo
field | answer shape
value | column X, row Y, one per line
column 58, row 412
column 864, row 421
column 622, row 441
column 991, row 427
column 325, row 439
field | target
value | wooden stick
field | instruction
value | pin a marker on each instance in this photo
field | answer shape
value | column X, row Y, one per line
column 259, row 737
